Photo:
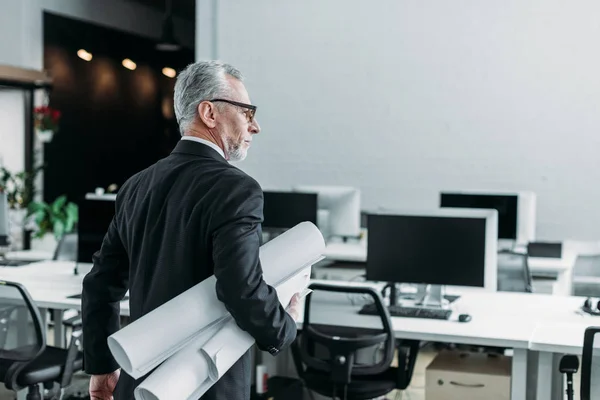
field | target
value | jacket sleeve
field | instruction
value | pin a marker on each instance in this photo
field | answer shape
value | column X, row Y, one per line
column 103, row 288
column 240, row 286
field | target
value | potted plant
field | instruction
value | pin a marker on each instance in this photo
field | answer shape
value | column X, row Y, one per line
column 46, row 122
column 52, row 221
column 20, row 191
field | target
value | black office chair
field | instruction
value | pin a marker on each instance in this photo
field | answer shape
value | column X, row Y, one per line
column 336, row 371
column 513, row 272
column 25, row 360
column 590, row 371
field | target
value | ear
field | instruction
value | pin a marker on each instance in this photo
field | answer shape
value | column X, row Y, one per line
column 207, row 114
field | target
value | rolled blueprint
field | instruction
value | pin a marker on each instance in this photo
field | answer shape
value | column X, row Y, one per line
column 195, row 315
column 204, row 362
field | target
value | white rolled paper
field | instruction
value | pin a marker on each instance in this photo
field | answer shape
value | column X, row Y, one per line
column 212, row 360
column 190, row 317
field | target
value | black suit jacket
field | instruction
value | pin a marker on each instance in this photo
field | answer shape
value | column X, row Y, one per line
column 176, row 223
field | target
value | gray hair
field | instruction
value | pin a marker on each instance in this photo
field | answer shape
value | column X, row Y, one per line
column 200, row 81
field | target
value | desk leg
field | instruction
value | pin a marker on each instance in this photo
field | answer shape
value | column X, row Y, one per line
column 44, row 317
column 518, row 381
column 59, row 330
column 558, row 387
column 549, row 381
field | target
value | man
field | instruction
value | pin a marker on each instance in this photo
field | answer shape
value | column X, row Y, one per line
column 188, row 216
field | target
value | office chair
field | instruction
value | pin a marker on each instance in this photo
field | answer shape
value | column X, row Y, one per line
column 25, row 360
column 513, row 272
column 589, row 368
column 339, row 372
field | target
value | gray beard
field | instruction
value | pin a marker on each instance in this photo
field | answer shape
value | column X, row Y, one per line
column 235, row 151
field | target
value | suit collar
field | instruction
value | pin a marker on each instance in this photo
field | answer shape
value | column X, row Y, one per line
column 197, row 149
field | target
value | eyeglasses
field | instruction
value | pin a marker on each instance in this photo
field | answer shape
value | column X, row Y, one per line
column 250, row 109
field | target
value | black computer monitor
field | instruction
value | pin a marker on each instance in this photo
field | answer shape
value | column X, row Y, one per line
column 516, row 211
column 442, row 247
column 284, row 210
column 506, row 205
column 95, row 216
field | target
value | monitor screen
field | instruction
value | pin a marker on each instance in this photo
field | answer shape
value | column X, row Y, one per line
column 285, row 210
column 94, row 219
column 507, row 206
column 435, row 250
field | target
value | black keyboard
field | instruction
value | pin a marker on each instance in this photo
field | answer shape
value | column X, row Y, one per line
column 409, row 312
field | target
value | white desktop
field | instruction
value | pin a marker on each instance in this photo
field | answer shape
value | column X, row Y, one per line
column 339, row 210
column 516, row 212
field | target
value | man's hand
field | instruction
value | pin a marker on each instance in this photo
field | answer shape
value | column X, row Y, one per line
column 103, row 386
column 294, row 307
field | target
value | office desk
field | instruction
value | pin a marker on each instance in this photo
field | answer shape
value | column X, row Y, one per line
column 30, row 255
column 521, row 321
column 50, row 283
column 498, row 319
column 509, row 320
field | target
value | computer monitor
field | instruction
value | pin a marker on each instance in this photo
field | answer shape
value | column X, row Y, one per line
column 4, row 227
column 95, row 215
column 342, row 205
column 284, row 210
column 456, row 247
column 516, row 211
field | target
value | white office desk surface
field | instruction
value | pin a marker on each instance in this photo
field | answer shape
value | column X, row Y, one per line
column 30, row 255
column 50, row 283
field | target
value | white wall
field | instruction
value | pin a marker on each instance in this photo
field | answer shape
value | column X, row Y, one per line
column 11, row 130
column 405, row 98
column 22, row 44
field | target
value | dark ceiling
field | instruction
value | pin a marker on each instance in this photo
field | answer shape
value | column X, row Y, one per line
column 182, row 8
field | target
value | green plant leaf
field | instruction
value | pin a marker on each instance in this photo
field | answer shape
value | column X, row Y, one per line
column 58, row 204
column 72, row 216
column 36, row 206
column 40, row 216
column 73, row 211
column 59, row 229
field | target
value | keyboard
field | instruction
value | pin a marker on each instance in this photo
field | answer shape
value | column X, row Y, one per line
column 409, row 312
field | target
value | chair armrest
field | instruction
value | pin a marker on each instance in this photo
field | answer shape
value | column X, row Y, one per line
column 72, row 352
column 73, row 322
column 407, row 357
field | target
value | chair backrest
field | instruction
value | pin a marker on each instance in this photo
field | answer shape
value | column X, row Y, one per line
column 590, row 364
column 22, row 335
column 342, row 343
column 66, row 250
column 513, row 272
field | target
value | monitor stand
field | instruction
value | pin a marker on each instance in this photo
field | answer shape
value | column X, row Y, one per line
column 427, row 296
column 431, row 296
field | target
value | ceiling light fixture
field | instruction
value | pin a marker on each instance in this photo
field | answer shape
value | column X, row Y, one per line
column 84, row 55
column 127, row 63
column 167, row 39
column 170, row 72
